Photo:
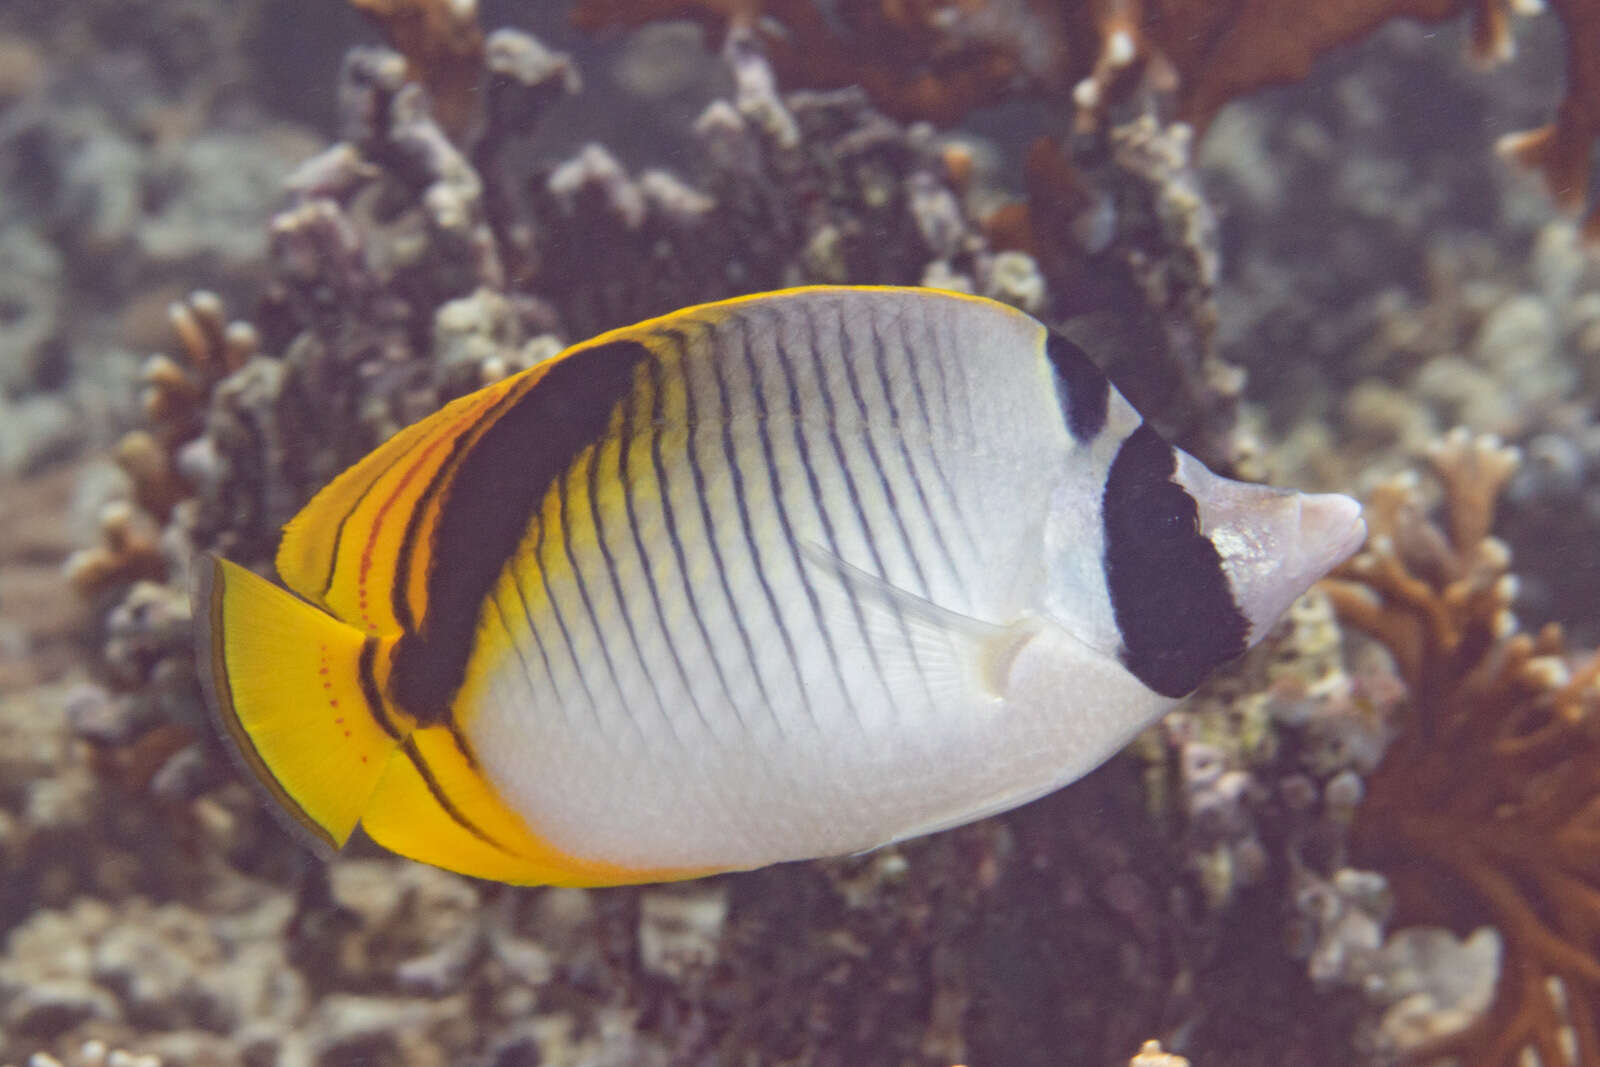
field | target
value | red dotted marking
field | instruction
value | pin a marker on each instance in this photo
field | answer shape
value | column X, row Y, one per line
column 333, row 702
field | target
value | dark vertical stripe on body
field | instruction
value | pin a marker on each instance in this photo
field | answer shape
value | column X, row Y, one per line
column 891, row 501
column 730, row 454
column 820, row 365
column 848, row 358
column 1082, row 389
column 608, row 558
column 555, row 610
column 803, row 454
column 914, row 360
column 1173, row 605
column 449, row 475
column 563, row 504
column 486, row 507
column 528, row 672
column 880, row 361
column 625, row 446
column 669, row 517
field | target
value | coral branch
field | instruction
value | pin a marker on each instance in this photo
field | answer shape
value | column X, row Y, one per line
column 1484, row 808
column 443, row 46
column 933, row 60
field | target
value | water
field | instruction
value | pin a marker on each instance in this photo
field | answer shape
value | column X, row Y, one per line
column 1312, row 291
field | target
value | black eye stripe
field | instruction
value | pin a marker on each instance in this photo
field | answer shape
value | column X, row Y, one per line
column 1082, row 388
column 1169, row 593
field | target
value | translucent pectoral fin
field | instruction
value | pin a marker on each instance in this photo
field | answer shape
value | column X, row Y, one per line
column 912, row 635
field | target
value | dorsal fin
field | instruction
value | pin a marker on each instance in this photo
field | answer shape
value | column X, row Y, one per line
column 344, row 550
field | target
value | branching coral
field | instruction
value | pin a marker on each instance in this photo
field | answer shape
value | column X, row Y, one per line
column 1486, row 808
column 175, row 394
column 926, row 59
column 443, row 46
column 918, row 59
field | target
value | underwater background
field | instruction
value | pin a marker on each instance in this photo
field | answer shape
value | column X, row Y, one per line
column 243, row 241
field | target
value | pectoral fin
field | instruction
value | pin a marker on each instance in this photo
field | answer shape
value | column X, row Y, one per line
column 913, row 636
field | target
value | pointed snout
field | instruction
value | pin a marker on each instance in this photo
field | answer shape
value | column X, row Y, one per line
column 1331, row 530
column 1274, row 543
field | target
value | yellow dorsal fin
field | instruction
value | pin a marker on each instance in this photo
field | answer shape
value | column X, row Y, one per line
column 345, row 548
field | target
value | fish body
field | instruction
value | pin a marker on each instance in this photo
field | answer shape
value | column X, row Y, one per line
column 784, row 576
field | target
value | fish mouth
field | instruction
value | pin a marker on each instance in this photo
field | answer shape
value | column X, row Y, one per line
column 1332, row 529
column 1319, row 533
column 1273, row 543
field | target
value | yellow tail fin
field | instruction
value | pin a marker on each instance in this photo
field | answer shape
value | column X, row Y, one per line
column 297, row 693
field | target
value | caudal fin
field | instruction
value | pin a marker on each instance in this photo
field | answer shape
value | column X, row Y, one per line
column 299, row 695
column 296, row 692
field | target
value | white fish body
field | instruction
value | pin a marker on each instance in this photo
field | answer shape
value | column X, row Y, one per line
column 825, row 569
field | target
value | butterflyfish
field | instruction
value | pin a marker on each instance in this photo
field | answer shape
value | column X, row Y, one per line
column 784, row 576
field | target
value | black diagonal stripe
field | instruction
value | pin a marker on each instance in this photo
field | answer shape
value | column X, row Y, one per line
column 803, row 454
column 410, row 537
column 730, row 456
column 487, row 505
column 658, row 420
column 596, row 516
column 914, row 368
column 937, row 351
column 409, row 747
column 1082, row 389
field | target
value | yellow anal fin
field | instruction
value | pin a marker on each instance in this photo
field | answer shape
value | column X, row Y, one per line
column 435, row 805
column 344, row 548
column 297, row 693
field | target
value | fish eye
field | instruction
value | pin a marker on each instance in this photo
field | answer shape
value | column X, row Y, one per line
column 1174, row 514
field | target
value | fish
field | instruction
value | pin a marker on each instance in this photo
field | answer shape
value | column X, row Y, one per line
column 785, row 576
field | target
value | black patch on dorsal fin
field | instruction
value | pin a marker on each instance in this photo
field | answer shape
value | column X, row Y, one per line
column 488, row 505
column 1171, row 597
column 1082, row 388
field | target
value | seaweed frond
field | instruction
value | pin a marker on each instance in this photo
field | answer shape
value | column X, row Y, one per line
column 1486, row 807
